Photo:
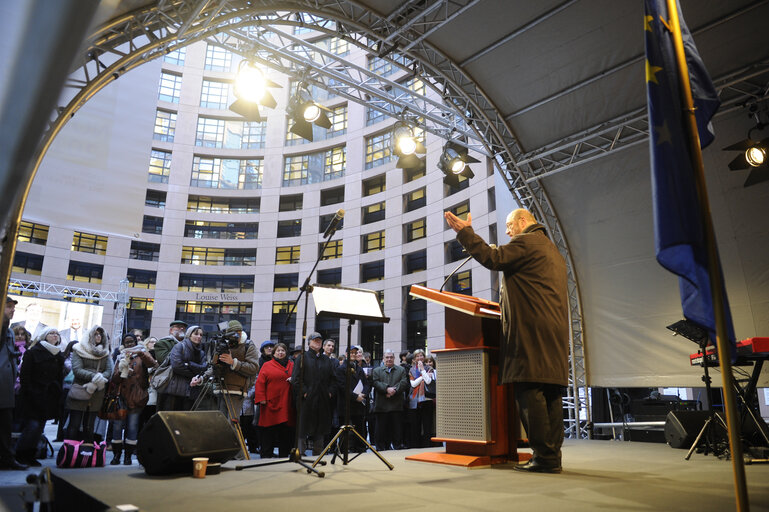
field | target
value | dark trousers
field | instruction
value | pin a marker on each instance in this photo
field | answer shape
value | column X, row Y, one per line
column 541, row 410
column 280, row 435
column 78, row 418
column 30, row 437
column 389, row 430
column 6, row 427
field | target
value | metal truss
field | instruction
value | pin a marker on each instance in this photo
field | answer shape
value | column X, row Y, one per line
column 150, row 32
column 735, row 90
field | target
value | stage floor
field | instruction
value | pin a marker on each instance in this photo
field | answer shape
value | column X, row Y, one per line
column 598, row 475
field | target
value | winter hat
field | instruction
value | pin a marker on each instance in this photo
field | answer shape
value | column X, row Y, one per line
column 233, row 326
column 314, row 335
column 266, row 344
column 190, row 330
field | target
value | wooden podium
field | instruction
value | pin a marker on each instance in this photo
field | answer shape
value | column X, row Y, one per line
column 475, row 416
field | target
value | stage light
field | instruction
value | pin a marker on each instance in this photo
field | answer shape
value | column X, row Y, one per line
column 752, row 156
column 304, row 112
column 251, row 91
column 454, row 163
column 406, row 146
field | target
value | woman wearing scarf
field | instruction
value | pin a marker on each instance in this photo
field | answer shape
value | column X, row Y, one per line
column 419, row 377
column 92, row 367
column 188, row 362
column 41, row 376
column 273, row 394
column 132, row 375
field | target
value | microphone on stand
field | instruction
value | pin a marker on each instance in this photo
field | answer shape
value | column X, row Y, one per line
column 493, row 246
column 331, row 229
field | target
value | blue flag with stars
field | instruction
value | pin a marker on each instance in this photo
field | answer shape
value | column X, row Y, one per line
column 679, row 234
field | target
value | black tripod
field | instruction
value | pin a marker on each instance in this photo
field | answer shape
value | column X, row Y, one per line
column 347, row 429
column 709, row 433
column 232, row 414
column 295, row 455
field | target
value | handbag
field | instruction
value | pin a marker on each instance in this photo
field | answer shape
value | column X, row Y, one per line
column 77, row 454
column 79, row 392
column 114, row 406
column 162, row 375
column 430, row 389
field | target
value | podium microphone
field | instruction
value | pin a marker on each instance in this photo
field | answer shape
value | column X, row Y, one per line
column 493, row 246
column 331, row 229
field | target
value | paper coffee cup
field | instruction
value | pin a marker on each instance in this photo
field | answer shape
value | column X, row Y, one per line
column 199, row 467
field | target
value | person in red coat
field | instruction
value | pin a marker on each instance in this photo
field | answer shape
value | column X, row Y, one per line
column 276, row 407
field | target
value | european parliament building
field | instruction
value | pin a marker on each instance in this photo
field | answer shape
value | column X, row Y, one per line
column 234, row 212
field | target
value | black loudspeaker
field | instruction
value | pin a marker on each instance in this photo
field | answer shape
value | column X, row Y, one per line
column 682, row 427
column 170, row 439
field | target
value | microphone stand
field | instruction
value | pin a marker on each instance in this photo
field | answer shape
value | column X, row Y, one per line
column 295, row 455
column 454, row 272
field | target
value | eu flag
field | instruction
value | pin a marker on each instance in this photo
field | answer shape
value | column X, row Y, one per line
column 679, row 233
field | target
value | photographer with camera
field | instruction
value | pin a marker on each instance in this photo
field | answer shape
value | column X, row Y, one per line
column 234, row 365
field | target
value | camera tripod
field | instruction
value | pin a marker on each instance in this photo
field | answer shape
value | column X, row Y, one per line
column 232, row 414
column 709, row 433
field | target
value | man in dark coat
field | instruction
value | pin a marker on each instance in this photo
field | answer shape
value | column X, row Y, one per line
column 534, row 351
column 314, row 396
column 8, row 372
column 390, row 382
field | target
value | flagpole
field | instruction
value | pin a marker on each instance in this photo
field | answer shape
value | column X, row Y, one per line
column 714, row 272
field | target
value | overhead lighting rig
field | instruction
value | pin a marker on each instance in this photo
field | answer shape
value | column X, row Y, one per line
column 304, row 112
column 454, row 162
column 407, row 146
column 251, row 91
column 753, row 153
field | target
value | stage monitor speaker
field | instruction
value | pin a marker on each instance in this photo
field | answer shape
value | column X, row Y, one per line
column 682, row 427
column 170, row 439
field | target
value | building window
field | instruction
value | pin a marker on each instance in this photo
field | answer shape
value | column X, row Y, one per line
column 215, row 284
column 165, row 126
column 176, row 57
column 290, row 203
column 454, row 251
column 218, row 256
column 215, row 94
column 332, row 251
column 144, row 251
column 414, row 173
column 26, row 263
column 170, row 87
column 373, row 241
column 378, row 149
column 85, row 272
column 331, row 276
column 281, row 331
column 209, row 314
column 253, row 135
column 287, row 255
column 286, row 282
column 416, row 321
column 226, row 173
column 374, row 212
column 331, row 196
column 217, row 59
column 414, row 200
column 141, row 278
column 314, row 167
column 86, row 242
column 325, row 220
column 152, row 225
column 155, row 199
column 373, row 271
column 374, row 185
column 221, row 230
column 289, row 228
column 415, row 262
column 462, row 282
column 492, row 199
column 160, row 166
column 32, row 233
column 461, row 210
column 210, row 132
column 416, row 230
column 338, row 118
column 374, row 116
column 139, row 313
column 223, row 204
column 381, row 66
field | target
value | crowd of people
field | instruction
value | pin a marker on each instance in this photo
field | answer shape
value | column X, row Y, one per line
column 259, row 389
